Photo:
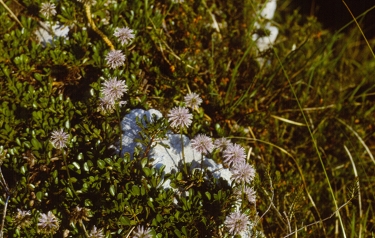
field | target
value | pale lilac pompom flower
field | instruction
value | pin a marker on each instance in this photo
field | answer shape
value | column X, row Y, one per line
column 193, row 101
column 234, row 154
column 95, row 233
column 236, row 222
column 222, row 143
column 114, row 89
column 48, row 223
column 48, row 9
column 124, row 35
column 59, row 138
column 115, row 58
column 202, row 143
column 141, row 232
column 243, row 172
column 22, row 219
column 249, row 192
column 179, row 116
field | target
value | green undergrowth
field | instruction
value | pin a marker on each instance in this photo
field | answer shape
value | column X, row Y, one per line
column 307, row 113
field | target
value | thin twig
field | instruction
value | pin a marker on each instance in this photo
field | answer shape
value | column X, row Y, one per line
column 360, row 29
column 7, row 191
column 93, row 26
column 11, row 13
column 359, row 191
column 320, row 221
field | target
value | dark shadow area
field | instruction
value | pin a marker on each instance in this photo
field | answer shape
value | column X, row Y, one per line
column 334, row 15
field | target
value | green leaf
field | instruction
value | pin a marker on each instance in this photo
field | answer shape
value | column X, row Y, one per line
column 124, row 221
column 76, row 165
column 69, row 191
column 88, row 203
column 144, row 162
column 208, row 195
column 177, row 232
column 112, row 190
column 86, row 167
column 147, row 171
column 39, row 196
column 135, row 190
column 179, row 176
column 159, row 218
column 36, row 144
column 23, row 169
column 101, row 164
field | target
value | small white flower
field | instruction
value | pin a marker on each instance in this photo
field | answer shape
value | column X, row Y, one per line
column 222, row 143
column 202, row 143
column 193, row 101
column 236, row 222
column 115, row 58
column 234, row 154
column 59, row 138
column 95, row 233
column 243, row 172
column 48, row 223
column 142, row 232
column 22, row 219
column 114, row 89
column 125, row 35
column 48, row 9
column 179, row 116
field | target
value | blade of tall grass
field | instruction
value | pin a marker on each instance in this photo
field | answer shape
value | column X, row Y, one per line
column 313, row 140
column 298, row 168
column 359, row 27
column 359, row 191
column 359, row 139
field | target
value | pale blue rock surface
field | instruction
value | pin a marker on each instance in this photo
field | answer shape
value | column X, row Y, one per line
column 170, row 157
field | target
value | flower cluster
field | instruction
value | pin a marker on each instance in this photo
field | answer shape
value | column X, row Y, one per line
column 112, row 91
column 243, row 173
column 193, row 101
column 236, row 222
column 179, row 117
column 79, row 214
column 234, row 154
column 124, row 35
column 115, row 59
column 95, row 233
column 222, row 143
column 22, row 219
column 48, row 223
column 202, row 143
column 141, row 232
column 48, row 9
column 59, row 138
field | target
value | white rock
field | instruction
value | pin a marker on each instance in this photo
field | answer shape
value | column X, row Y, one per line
column 130, row 129
column 44, row 35
column 269, row 9
column 170, row 157
column 265, row 42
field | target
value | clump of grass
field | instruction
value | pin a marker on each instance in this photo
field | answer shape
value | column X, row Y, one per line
column 307, row 113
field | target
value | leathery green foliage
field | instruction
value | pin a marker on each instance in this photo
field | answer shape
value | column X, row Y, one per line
column 307, row 113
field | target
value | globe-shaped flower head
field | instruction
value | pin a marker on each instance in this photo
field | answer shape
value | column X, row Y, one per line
column 124, row 35
column 202, row 143
column 179, row 117
column 115, row 58
column 59, row 138
column 236, row 222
